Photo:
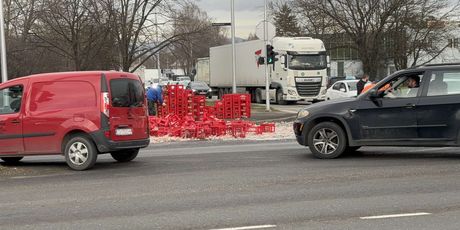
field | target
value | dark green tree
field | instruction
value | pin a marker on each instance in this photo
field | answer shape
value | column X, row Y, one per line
column 284, row 19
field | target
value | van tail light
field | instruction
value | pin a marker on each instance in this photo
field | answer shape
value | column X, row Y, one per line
column 107, row 134
column 105, row 103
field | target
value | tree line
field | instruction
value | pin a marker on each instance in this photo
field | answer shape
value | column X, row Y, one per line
column 407, row 32
column 76, row 35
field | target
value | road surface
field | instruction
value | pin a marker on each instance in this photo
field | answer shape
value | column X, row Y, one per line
column 238, row 185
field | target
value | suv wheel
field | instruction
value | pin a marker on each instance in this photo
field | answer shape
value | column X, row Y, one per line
column 125, row 155
column 11, row 160
column 80, row 153
column 327, row 140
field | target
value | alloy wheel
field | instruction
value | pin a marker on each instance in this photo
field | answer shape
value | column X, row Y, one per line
column 326, row 141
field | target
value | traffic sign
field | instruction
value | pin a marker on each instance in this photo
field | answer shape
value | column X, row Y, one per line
column 271, row 31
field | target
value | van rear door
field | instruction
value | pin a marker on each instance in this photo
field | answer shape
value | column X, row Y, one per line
column 128, row 112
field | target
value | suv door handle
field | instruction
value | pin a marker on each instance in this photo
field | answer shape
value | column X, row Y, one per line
column 409, row 106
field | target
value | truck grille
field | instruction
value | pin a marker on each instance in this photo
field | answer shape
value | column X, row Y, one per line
column 308, row 89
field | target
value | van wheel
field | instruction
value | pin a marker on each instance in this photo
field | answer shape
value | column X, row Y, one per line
column 80, row 153
column 327, row 140
column 125, row 155
column 279, row 97
column 11, row 160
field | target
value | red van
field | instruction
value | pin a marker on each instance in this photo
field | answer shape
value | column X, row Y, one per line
column 77, row 114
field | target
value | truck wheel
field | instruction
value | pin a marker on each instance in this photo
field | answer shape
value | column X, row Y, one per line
column 259, row 96
column 11, row 160
column 279, row 97
column 221, row 94
column 327, row 140
column 125, row 155
column 80, row 153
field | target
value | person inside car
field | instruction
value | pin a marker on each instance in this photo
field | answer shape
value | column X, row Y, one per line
column 413, row 85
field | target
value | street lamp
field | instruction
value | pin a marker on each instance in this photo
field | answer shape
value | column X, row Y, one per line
column 233, row 48
column 4, row 72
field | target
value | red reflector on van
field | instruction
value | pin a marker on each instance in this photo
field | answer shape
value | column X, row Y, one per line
column 107, row 134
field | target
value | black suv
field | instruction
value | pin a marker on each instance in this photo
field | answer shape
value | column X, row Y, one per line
column 413, row 107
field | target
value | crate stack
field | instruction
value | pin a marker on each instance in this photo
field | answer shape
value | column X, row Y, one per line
column 186, row 115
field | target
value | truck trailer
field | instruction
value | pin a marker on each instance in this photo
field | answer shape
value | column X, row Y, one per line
column 299, row 74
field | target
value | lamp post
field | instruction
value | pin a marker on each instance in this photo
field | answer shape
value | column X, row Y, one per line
column 4, row 71
column 233, row 48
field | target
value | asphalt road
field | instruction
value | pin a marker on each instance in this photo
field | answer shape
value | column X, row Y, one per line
column 256, row 185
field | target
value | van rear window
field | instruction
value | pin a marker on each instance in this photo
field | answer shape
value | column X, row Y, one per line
column 127, row 93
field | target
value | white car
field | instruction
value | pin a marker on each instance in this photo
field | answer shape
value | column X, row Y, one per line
column 341, row 89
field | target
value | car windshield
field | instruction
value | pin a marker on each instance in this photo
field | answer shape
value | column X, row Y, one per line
column 307, row 62
column 126, row 93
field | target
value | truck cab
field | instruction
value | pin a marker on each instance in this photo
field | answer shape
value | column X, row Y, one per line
column 301, row 72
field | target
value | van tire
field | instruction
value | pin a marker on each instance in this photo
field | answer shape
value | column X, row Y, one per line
column 80, row 153
column 11, row 160
column 125, row 155
column 335, row 137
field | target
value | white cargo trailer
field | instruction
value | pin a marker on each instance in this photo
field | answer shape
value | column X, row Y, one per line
column 299, row 74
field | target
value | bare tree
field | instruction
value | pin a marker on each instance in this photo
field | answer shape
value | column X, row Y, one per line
column 195, row 45
column 70, row 28
column 365, row 22
column 421, row 30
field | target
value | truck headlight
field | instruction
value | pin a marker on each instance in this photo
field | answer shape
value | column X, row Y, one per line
column 302, row 113
column 210, row 90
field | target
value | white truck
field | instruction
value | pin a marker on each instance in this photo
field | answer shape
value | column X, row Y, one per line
column 300, row 73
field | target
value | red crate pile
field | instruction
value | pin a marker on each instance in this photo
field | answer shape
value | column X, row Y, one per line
column 186, row 115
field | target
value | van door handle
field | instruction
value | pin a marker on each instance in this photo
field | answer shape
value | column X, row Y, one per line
column 15, row 121
column 409, row 106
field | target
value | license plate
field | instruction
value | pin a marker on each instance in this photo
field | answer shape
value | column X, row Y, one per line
column 124, row 132
column 308, row 79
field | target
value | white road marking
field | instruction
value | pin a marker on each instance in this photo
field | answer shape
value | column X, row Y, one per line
column 248, row 227
column 395, row 216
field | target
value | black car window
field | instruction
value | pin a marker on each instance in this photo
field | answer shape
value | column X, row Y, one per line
column 444, row 83
column 10, row 99
column 403, row 86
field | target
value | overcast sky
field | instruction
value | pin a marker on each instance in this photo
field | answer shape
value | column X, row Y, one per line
column 248, row 13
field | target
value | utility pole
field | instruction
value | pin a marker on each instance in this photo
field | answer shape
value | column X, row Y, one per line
column 233, row 47
column 158, row 51
column 267, row 78
column 2, row 45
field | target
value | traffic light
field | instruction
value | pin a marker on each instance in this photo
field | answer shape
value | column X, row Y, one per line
column 271, row 55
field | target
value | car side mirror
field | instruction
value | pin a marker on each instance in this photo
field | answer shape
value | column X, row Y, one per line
column 374, row 94
column 342, row 90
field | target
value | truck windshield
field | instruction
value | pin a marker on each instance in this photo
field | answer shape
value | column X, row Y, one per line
column 307, row 62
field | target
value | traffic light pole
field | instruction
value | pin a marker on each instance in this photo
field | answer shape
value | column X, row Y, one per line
column 267, row 77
